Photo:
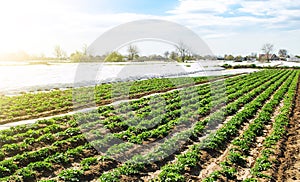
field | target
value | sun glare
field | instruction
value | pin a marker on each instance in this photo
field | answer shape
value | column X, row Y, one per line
column 24, row 23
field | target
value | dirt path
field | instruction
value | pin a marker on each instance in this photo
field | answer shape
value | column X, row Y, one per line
column 289, row 169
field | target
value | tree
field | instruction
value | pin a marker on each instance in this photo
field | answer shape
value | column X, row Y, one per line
column 173, row 55
column 189, row 55
column 253, row 55
column 229, row 57
column 239, row 58
column 166, row 54
column 267, row 49
column 84, row 49
column 183, row 51
column 133, row 52
column 77, row 56
column 282, row 53
column 59, row 53
column 114, row 57
column 81, row 55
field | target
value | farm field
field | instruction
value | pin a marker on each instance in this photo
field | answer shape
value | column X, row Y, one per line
column 241, row 128
column 34, row 105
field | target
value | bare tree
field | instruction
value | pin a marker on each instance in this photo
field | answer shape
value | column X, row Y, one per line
column 267, row 49
column 133, row 52
column 183, row 51
column 59, row 52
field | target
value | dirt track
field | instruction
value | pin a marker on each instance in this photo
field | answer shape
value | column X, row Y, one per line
column 289, row 169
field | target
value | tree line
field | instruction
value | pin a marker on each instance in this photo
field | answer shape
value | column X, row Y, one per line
column 268, row 55
column 181, row 54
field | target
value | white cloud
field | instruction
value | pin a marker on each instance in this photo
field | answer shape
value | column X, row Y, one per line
column 250, row 21
column 246, row 43
column 216, row 6
column 269, row 7
column 37, row 25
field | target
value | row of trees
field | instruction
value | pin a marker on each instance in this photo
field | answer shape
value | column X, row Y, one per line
column 181, row 54
column 267, row 55
column 268, row 49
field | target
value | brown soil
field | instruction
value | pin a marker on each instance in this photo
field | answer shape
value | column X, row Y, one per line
column 214, row 163
column 289, row 163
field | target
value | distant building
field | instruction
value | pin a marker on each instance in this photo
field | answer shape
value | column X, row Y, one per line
column 264, row 57
column 293, row 59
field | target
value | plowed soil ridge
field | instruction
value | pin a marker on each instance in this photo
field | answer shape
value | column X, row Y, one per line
column 289, row 169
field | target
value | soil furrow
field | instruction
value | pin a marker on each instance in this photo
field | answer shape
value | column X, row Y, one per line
column 289, row 163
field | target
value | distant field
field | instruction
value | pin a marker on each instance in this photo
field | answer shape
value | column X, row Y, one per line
column 250, row 115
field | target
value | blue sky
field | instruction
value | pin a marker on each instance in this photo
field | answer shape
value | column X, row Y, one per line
column 227, row 26
column 157, row 7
